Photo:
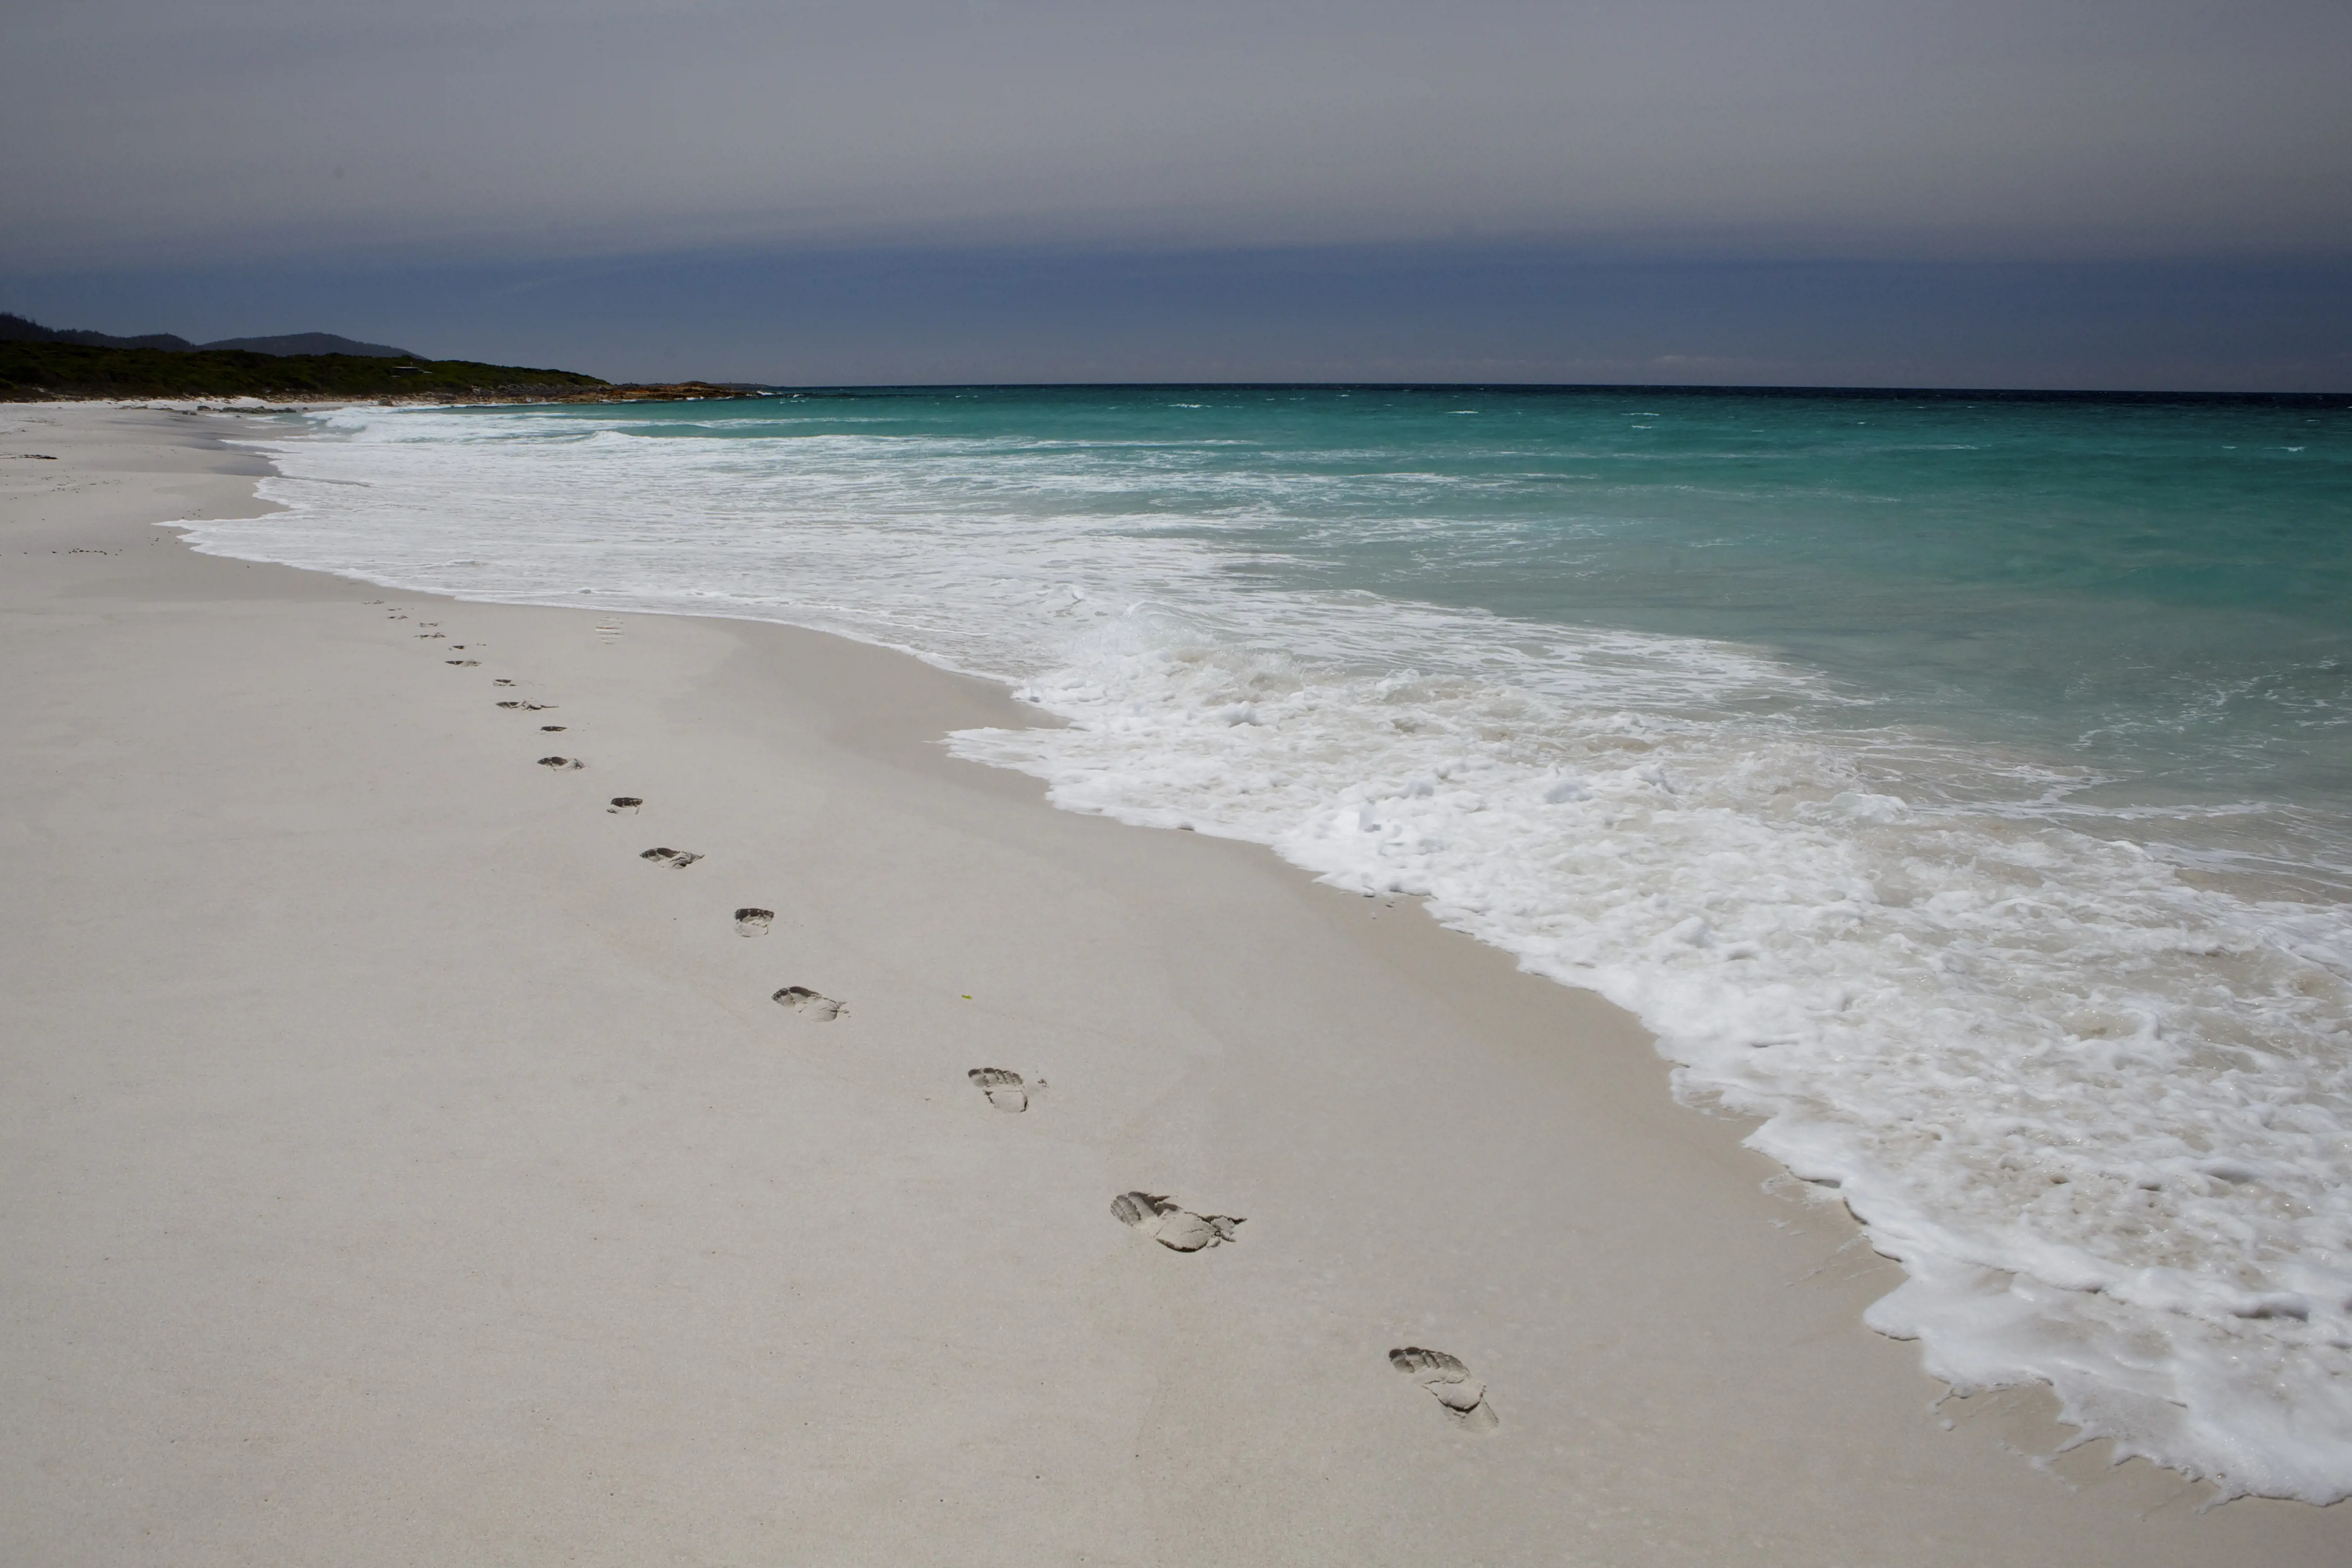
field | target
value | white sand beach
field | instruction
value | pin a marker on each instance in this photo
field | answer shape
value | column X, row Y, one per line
column 402, row 1169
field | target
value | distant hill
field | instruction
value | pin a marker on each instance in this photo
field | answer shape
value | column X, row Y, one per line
column 18, row 328
column 310, row 343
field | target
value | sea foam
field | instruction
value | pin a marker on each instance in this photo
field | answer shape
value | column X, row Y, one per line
column 2098, row 1102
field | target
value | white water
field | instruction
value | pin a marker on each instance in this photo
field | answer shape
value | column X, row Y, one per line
column 2101, row 1109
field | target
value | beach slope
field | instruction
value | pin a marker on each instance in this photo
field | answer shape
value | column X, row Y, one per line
column 406, row 1165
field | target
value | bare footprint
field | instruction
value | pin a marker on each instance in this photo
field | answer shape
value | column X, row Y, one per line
column 753, row 922
column 501, row 680
column 462, row 663
column 551, row 729
column 1173, row 1228
column 517, row 704
column 803, row 1000
column 625, row 805
column 667, row 857
column 561, row 764
column 1006, row 1090
column 1450, row 1384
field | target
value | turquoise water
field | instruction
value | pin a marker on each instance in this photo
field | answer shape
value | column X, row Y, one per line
column 1962, row 787
column 2161, row 592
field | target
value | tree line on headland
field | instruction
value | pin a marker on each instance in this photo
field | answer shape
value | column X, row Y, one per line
column 40, row 363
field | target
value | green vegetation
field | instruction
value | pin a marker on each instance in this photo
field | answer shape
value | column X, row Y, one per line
column 38, row 371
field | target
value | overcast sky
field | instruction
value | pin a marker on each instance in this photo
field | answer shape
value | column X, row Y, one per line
column 606, row 184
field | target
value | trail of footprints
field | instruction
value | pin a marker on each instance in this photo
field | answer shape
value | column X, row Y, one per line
column 1441, row 1374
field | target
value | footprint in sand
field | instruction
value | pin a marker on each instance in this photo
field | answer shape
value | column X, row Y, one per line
column 753, row 922
column 550, row 728
column 561, row 764
column 517, row 705
column 1176, row 1229
column 667, row 857
column 1450, row 1384
column 803, row 1000
column 625, row 805
column 462, row 663
column 501, row 680
column 431, row 637
column 1006, row 1090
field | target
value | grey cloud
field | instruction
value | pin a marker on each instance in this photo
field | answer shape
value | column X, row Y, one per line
column 156, row 134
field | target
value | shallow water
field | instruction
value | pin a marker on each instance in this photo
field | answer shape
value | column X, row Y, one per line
column 1964, row 787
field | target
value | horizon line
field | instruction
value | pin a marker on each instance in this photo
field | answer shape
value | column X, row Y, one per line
column 1725, row 389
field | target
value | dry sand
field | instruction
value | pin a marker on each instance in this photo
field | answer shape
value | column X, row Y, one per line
column 402, row 1170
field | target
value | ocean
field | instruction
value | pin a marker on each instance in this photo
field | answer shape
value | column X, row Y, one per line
column 1959, row 785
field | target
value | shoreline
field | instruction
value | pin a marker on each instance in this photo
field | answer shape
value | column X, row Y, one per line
column 944, row 1346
